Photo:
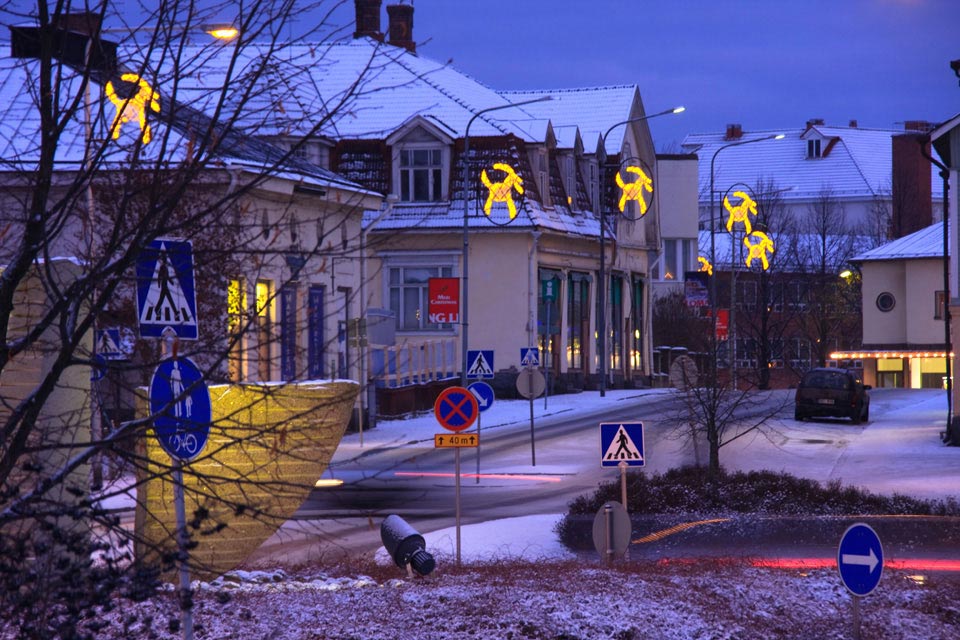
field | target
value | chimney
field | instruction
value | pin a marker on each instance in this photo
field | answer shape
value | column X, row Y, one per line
column 368, row 19
column 814, row 122
column 734, row 132
column 401, row 26
column 853, row 124
column 912, row 208
column 918, row 125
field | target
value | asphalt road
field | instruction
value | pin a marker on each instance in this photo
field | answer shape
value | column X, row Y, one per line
column 416, row 480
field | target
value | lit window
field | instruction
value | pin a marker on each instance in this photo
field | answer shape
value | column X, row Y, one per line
column 264, row 310
column 236, row 307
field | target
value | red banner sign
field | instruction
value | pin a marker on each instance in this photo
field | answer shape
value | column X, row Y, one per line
column 443, row 300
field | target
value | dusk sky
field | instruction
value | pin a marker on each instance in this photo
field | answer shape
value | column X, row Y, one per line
column 765, row 64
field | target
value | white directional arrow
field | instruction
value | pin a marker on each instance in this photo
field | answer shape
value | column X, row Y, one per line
column 865, row 561
column 481, row 399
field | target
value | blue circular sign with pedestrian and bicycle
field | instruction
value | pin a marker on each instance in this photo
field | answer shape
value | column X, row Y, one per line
column 180, row 405
column 860, row 559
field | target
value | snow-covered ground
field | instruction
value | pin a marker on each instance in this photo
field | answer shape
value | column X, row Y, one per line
column 532, row 588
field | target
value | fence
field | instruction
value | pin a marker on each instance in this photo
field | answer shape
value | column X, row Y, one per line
column 413, row 363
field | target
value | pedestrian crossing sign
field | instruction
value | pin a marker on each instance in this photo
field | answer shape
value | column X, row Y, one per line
column 108, row 344
column 621, row 442
column 166, row 295
column 530, row 357
column 479, row 364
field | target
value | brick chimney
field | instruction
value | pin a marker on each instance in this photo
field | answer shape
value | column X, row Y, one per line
column 853, row 124
column 368, row 19
column 401, row 26
column 918, row 125
column 734, row 132
column 912, row 208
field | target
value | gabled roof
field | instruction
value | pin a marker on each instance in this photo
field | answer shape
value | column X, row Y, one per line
column 375, row 88
column 858, row 165
column 175, row 126
column 590, row 110
column 925, row 243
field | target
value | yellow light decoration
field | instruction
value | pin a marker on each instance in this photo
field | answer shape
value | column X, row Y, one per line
column 759, row 249
column 502, row 191
column 133, row 109
column 705, row 265
column 634, row 190
column 223, row 33
column 740, row 212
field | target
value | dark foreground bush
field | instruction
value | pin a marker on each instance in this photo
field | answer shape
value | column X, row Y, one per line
column 691, row 491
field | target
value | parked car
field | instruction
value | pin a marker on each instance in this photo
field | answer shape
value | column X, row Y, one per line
column 832, row 392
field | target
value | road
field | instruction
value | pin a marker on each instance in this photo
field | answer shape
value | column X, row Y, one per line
column 412, row 478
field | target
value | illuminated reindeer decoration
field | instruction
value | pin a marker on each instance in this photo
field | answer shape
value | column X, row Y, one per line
column 634, row 190
column 135, row 107
column 741, row 212
column 760, row 249
column 502, row 191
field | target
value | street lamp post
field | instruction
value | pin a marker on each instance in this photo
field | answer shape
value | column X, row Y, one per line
column 601, row 288
column 713, row 245
column 466, row 227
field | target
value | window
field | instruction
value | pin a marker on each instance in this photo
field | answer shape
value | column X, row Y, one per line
column 236, row 308
column 670, row 260
column 548, row 315
column 421, row 175
column 886, row 302
column 578, row 319
column 813, row 148
column 636, row 317
column 264, row 311
column 939, row 305
column 408, row 295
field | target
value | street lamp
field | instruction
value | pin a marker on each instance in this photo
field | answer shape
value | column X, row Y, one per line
column 466, row 233
column 601, row 289
column 713, row 245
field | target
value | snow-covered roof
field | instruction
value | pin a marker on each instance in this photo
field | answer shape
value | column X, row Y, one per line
column 592, row 111
column 176, row 126
column 925, row 243
column 856, row 161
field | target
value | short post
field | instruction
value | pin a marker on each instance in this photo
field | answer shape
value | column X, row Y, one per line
column 183, row 555
column 608, row 522
column 856, row 617
column 533, row 450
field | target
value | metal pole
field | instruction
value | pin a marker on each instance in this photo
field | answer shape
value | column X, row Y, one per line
column 183, row 543
column 734, row 264
column 464, row 324
column 533, row 450
column 549, row 355
column 457, row 499
column 479, row 415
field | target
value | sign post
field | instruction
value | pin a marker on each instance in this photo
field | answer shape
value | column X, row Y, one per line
column 860, row 563
column 621, row 446
column 180, row 404
column 483, row 392
column 456, row 409
column 530, row 384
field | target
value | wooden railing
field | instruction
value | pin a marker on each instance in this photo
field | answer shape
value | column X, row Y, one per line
column 413, row 362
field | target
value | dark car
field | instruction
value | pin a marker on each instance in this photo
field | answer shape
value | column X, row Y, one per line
column 832, row 393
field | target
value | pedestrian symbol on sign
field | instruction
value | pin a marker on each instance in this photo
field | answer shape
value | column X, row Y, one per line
column 621, row 443
column 530, row 357
column 481, row 364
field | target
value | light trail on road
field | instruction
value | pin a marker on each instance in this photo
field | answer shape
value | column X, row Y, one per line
column 487, row 476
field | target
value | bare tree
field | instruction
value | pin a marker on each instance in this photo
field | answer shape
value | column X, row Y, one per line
column 107, row 144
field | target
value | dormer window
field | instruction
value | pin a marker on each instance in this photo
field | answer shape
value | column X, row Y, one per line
column 421, row 161
column 813, row 148
column 421, row 175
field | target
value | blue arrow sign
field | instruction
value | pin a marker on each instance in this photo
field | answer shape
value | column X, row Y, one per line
column 621, row 442
column 860, row 559
column 166, row 295
column 180, row 404
column 483, row 393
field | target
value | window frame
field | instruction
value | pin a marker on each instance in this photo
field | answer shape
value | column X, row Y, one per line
column 444, row 264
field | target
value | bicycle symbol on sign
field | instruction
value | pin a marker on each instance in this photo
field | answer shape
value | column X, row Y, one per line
column 181, row 401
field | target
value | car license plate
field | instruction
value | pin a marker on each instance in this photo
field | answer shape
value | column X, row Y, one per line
column 825, row 401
